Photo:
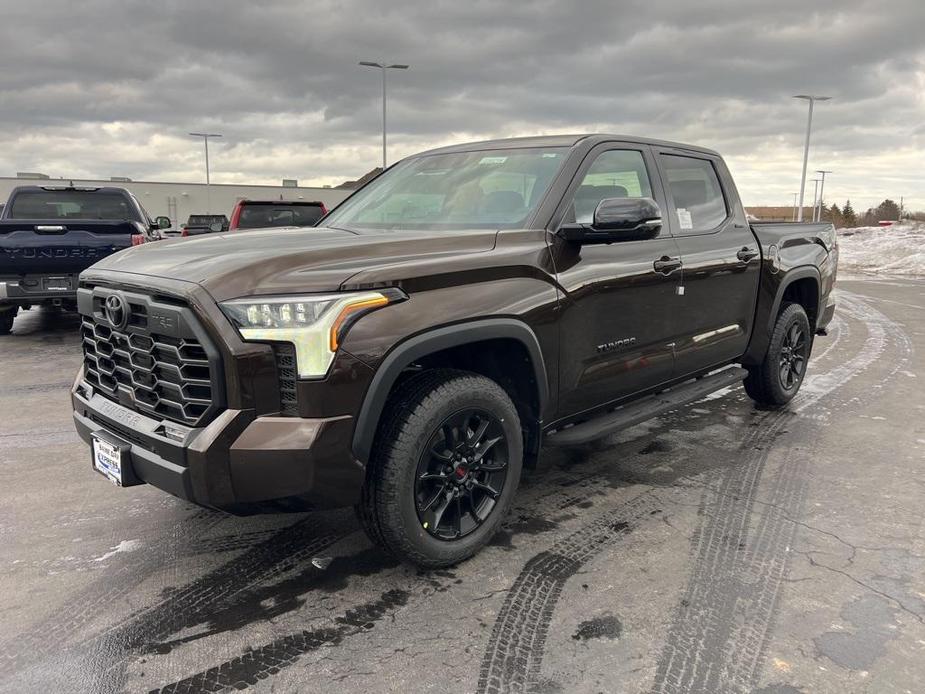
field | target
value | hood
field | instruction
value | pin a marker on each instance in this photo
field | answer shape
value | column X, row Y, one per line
column 285, row 261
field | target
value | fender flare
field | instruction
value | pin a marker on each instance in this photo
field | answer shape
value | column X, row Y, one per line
column 797, row 273
column 436, row 340
column 762, row 333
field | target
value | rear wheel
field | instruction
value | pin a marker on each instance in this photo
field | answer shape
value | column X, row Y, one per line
column 444, row 470
column 7, row 316
column 777, row 379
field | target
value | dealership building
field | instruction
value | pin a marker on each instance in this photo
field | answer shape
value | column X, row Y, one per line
column 179, row 200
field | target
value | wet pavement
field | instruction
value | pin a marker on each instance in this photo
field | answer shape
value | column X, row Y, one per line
column 719, row 548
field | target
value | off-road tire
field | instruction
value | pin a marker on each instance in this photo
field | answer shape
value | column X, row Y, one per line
column 7, row 316
column 764, row 384
column 387, row 510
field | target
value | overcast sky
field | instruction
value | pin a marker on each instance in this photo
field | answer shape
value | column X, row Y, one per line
column 103, row 88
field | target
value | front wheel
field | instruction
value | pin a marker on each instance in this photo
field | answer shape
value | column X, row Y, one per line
column 444, row 469
column 777, row 379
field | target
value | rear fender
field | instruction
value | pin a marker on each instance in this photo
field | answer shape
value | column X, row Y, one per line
column 773, row 288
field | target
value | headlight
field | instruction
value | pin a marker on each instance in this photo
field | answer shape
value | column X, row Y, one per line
column 313, row 324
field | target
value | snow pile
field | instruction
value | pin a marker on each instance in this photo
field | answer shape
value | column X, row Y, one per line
column 895, row 250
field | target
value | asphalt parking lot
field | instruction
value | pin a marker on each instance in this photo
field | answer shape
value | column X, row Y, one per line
column 716, row 549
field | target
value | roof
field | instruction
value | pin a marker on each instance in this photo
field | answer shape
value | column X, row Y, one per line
column 590, row 139
column 51, row 185
column 306, row 203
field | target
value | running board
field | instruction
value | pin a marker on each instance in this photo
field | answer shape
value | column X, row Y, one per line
column 645, row 408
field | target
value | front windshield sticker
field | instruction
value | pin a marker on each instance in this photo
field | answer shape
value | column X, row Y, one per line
column 492, row 160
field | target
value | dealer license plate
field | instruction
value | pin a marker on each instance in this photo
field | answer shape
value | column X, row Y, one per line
column 60, row 284
column 109, row 459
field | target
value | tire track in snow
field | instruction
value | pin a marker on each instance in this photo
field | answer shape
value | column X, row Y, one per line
column 741, row 555
column 513, row 655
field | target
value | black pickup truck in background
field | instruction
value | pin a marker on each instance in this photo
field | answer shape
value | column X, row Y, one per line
column 48, row 234
column 415, row 351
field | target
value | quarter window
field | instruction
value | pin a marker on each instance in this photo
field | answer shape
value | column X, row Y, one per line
column 616, row 173
column 696, row 195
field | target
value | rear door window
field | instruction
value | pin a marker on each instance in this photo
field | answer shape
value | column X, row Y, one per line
column 261, row 216
column 695, row 194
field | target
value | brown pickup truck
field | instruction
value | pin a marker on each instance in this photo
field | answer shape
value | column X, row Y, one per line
column 467, row 307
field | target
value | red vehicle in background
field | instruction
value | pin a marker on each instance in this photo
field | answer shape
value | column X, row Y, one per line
column 260, row 214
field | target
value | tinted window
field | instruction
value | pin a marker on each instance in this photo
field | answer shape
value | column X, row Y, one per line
column 260, row 216
column 697, row 198
column 71, row 204
column 489, row 189
column 616, row 173
column 206, row 219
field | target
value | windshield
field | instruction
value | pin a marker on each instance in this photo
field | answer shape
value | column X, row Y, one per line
column 490, row 189
column 71, row 204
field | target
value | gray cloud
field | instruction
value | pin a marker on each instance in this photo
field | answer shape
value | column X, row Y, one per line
column 110, row 87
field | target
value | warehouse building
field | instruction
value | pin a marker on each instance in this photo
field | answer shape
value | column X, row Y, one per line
column 179, row 200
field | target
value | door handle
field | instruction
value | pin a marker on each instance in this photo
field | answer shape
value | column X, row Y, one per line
column 666, row 265
column 747, row 254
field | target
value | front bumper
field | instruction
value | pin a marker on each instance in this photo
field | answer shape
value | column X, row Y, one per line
column 234, row 461
column 36, row 289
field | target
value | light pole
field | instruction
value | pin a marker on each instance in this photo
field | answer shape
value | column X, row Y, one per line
column 795, row 206
column 821, row 193
column 815, row 197
column 384, row 68
column 205, row 139
column 809, row 126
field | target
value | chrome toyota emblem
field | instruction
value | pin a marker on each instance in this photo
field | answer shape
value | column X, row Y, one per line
column 116, row 312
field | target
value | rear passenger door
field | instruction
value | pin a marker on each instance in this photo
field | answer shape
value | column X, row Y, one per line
column 720, row 260
column 617, row 309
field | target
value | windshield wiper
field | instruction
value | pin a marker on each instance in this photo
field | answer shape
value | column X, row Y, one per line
column 355, row 232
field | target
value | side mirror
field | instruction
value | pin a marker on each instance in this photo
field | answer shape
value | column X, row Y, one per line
column 617, row 219
column 162, row 222
column 216, row 226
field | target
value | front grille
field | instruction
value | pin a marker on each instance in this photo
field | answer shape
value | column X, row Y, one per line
column 167, row 376
column 287, row 374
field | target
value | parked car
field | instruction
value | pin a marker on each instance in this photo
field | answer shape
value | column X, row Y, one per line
column 48, row 234
column 204, row 224
column 260, row 214
column 462, row 310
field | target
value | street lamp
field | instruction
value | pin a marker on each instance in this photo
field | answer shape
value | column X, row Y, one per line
column 809, row 125
column 795, row 207
column 821, row 193
column 384, row 68
column 205, row 139
column 815, row 197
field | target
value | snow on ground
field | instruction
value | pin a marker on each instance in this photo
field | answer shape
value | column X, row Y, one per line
column 895, row 250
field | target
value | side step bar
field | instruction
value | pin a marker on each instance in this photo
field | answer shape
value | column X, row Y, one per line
column 645, row 408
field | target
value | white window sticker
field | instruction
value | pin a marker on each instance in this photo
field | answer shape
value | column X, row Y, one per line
column 492, row 160
column 684, row 218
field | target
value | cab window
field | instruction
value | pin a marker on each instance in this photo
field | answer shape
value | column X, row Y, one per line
column 616, row 173
column 697, row 201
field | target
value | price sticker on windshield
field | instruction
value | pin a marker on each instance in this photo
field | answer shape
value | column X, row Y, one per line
column 492, row 160
column 684, row 218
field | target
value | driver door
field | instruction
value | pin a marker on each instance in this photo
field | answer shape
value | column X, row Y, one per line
column 616, row 323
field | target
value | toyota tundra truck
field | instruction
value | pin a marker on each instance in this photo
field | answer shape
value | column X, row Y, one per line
column 48, row 234
column 462, row 311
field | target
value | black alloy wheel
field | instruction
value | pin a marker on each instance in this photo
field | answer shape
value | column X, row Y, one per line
column 793, row 355
column 777, row 378
column 461, row 474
